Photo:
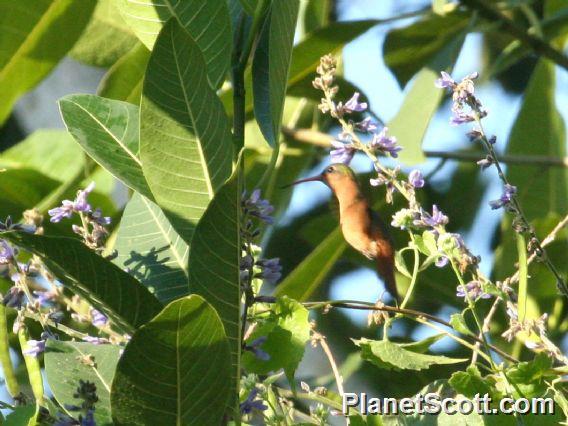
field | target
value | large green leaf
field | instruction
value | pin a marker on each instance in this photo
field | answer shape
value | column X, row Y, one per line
column 214, row 260
column 406, row 50
column 389, row 355
column 151, row 249
column 270, row 66
column 421, row 102
column 123, row 81
column 106, row 38
column 67, row 362
column 185, row 141
column 306, row 55
column 107, row 287
column 35, row 37
column 539, row 130
column 207, row 23
column 175, row 370
column 108, row 131
column 308, row 275
column 51, row 152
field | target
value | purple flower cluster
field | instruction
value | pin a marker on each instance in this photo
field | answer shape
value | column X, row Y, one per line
column 473, row 290
column 34, row 347
column 98, row 319
column 7, row 253
column 416, row 179
column 251, row 403
column 67, row 208
column 437, row 218
column 385, row 144
column 342, row 152
column 463, row 93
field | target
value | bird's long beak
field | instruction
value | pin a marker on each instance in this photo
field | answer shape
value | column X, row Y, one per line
column 318, row 178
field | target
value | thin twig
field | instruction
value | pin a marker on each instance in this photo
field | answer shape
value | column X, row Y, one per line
column 486, row 326
column 540, row 46
column 359, row 305
column 314, row 137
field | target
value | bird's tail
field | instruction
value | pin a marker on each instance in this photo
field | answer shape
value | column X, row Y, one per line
column 385, row 268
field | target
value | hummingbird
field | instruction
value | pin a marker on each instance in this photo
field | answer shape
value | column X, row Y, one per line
column 362, row 227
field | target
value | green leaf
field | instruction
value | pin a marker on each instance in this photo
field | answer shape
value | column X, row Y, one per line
column 249, row 5
column 270, row 66
column 185, row 141
column 390, row 356
column 470, row 382
column 35, row 37
column 457, row 321
column 287, row 329
column 214, row 260
column 523, row 277
column 421, row 102
column 123, row 81
column 306, row 56
column 529, row 377
column 108, row 131
column 400, row 264
column 309, row 274
column 67, row 362
column 422, row 345
column 406, row 50
column 206, row 23
column 175, row 370
column 107, row 287
column 152, row 250
column 105, row 39
column 539, row 130
column 51, row 152
column 21, row 416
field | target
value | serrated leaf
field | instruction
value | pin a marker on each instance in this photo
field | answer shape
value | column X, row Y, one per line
column 214, row 260
column 106, row 37
column 107, row 287
column 175, row 370
column 470, row 382
column 309, row 274
column 152, row 250
column 406, row 50
column 270, row 66
column 206, row 23
column 287, row 330
column 422, row 346
column 390, row 356
column 123, row 81
column 457, row 321
column 67, row 362
column 108, row 131
column 36, row 36
column 185, row 141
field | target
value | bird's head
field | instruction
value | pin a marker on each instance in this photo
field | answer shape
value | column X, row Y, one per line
column 335, row 176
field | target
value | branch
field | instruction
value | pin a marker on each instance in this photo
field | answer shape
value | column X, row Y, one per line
column 541, row 47
column 313, row 137
column 359, row 305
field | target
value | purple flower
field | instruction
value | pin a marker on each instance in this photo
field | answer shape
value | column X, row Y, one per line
column 248, row 405
column 445, row 82
column 474, row 291
column 34, row 348
column 98, row 319
column 257, row 207
column 416, row 179
column 435, row 219
column 505, row 198
column 99, row 218
column 44, row 297
column 7, row 253
column 441, row 261
column 96, row 340
column 254, row 347
column 271, row 270
column 367, row 125
column 14, row 298
column 343, row 153
column 384, row 143
column 353, row 104
column 67, row 207
column 461, row 117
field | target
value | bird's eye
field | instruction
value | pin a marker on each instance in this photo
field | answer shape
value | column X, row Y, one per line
column 330, row 169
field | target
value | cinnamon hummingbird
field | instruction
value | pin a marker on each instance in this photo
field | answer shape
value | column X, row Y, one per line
column 362, row 227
